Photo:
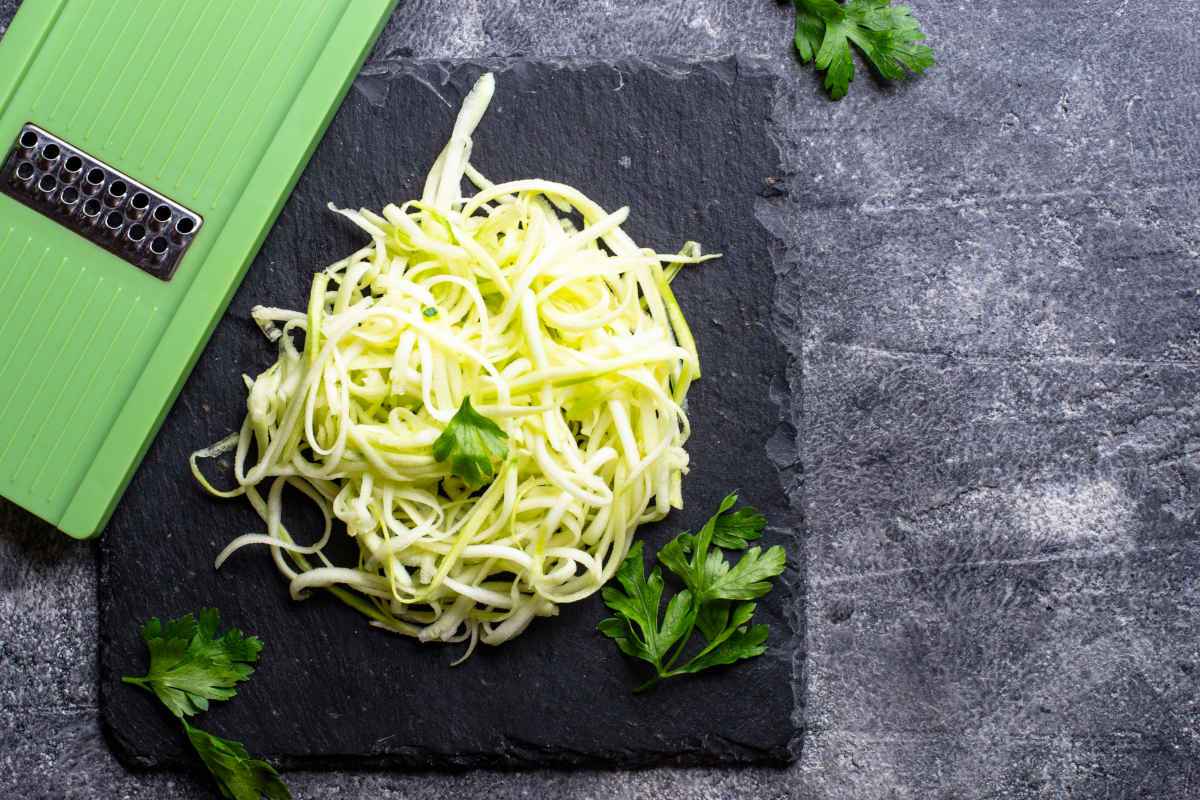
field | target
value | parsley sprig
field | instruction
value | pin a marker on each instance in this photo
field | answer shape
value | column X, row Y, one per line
column 238, row 775
column 717, row 598
column 471, row 443
column 191, row 664
column 887, row 36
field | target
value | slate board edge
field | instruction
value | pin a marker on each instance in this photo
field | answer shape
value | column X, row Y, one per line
column 781, row 449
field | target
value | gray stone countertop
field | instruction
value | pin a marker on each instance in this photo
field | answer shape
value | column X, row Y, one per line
column 996, row 282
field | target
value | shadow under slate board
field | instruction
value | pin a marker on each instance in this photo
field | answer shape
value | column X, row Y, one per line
column 688, row 148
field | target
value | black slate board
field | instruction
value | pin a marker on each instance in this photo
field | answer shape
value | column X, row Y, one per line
column 688, row 148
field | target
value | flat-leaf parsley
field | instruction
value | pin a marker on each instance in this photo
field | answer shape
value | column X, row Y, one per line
column 471, row 443
column 716, row 598
column 238, row 776
column 887, row 36
column 190, row 664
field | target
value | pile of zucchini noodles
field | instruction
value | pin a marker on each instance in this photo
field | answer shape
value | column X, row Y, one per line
column 568, row 337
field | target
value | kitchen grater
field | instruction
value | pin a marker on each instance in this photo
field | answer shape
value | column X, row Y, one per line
column 147, row 148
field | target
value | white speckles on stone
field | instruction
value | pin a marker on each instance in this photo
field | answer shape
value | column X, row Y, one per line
column 1092, row 512
column 625, row 161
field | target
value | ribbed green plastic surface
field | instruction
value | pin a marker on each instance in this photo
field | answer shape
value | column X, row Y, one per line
column 216, row 104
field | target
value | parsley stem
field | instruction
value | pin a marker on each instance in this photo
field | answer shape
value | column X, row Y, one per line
column 650, row 684
column 707, row 649
column 683, row 640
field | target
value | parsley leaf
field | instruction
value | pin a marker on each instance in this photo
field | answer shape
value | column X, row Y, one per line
column 888, row 36
column 238, row 776
column 810, row 31
column 190, row 664
column 732, row 641
column 471, row 443
column 749, row 578
column 715, row 599
column 646, row 638
column 735, row 530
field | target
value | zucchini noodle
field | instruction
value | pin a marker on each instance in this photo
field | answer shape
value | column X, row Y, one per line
column 567, row 336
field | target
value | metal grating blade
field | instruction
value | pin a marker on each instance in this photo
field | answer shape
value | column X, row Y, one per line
column 98, row 202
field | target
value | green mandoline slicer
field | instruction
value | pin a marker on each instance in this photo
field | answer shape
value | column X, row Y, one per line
column 148, row 146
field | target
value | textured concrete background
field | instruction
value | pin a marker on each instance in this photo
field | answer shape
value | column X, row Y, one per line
column 996, row 283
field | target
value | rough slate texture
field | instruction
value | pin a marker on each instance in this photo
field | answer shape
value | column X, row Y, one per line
column 996, row 283
column 330, row 690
